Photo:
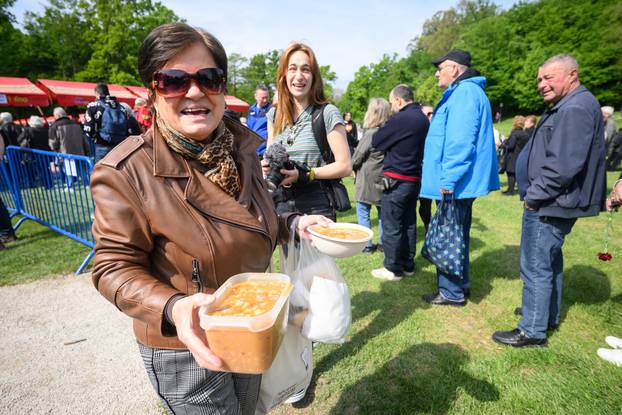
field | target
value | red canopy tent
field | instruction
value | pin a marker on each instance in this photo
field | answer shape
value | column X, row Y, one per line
column 20, row 92
column 236, row 104
column 233, row 103
column 69, row 93
column 139, row 91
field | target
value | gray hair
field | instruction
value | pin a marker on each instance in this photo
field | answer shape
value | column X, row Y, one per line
column 262, row 87
column 403, row 91
column 564, row 58
column 607, row 110
column 59, row 112
column 140, row 102
column 378, row 112
column 35, row 121
column 6, row 117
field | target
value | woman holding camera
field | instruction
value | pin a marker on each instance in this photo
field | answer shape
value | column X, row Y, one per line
column 301, row 91
column 181, row 209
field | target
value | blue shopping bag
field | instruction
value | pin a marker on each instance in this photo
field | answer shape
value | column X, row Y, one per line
column 444, row 243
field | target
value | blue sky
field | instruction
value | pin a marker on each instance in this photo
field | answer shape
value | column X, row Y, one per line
column 344, row 34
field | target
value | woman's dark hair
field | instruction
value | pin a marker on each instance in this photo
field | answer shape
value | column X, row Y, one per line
column 166, row 41
column 102, row 90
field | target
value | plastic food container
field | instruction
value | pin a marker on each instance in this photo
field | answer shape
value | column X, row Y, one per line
column 247, row 344
column 339, row 247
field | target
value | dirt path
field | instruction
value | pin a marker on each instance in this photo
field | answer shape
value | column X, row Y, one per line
column 66, row 350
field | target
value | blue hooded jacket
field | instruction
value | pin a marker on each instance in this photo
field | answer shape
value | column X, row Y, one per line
column 459, row 152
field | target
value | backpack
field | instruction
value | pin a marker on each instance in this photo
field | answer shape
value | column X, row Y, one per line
column 113, row 124
column 337, row 192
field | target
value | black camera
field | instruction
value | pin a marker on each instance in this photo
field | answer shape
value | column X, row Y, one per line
column 278, row 158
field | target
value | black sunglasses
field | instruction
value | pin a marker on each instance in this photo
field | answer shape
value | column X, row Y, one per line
column 175, row 82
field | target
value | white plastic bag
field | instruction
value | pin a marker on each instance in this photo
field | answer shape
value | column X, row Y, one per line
column 290, row 372
column 320, row 290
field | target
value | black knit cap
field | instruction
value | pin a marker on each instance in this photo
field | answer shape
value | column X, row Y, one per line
column 457, row 55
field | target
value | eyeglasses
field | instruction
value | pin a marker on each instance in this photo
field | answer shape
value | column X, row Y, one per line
column 175, row 82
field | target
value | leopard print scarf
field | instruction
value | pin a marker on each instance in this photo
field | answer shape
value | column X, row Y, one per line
column 215, row 155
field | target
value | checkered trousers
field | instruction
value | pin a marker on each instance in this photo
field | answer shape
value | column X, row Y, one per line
column 189, row 389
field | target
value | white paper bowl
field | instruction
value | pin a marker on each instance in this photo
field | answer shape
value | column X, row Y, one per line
column 340, row 248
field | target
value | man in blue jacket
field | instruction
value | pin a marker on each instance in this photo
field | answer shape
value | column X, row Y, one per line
column 256, row 119
column 401, row 139
column 459, row 161
column 561, row 177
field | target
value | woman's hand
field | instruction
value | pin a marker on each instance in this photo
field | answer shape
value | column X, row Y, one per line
column 291, row 176
column 307, row 220
column 265, row 167
column 615, row 198
column 185, row 315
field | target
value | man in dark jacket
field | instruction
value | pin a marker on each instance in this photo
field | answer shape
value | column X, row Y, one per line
column 561, row 177
column 9, row 131
column 66, row 136
column 401, row 139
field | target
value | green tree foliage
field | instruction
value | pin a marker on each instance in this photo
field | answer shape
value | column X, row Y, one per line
column 507, row 47
column 84, row 40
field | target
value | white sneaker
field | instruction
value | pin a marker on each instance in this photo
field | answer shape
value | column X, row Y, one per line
column 612, row 356
column 614, row 342
column 409, row 273
column 385, row 274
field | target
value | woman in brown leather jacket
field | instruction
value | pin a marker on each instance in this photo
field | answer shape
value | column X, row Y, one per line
column 180, row 210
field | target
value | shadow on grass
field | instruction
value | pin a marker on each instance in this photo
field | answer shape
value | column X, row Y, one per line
column 425, row 378
column 499, row 263
column 584, row 284
column 392, row 307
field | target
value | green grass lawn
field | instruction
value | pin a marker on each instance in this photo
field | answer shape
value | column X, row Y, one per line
column 405, row 357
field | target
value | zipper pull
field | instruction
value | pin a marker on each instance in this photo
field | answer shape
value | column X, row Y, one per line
column 196, row 276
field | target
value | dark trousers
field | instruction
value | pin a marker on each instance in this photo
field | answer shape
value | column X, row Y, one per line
column 542, row 271
column 399, row 226
column 511, row 182
column 449, row 286
column 425, row 212
column 6, row 228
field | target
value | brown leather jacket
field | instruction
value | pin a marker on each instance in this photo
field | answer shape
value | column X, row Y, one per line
column 162, row 228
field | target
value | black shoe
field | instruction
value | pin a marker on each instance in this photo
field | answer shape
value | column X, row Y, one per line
column 516, row 338
column 369, row 249
column 507, row 193
column 467, row 292
column 379, row 248
column 8, row 238
column 438, row 299
column 518, row 311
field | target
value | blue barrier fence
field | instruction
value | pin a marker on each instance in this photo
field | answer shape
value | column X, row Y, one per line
column 54, row 190
column 7, row 192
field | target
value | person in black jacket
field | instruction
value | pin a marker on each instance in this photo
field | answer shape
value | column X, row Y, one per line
column 561, row 177
column 513, row 146
column 9, row 131
column 401, row 139
column 351, row 132
column 35, row 135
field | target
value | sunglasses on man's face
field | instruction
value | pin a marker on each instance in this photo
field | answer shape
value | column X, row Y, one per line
column 175, row 82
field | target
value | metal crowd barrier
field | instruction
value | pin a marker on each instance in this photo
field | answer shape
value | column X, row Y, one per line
column 7, row 192
column 54, row 190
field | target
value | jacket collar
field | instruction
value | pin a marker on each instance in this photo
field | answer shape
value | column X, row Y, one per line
column 200, row 192
column 565, row 99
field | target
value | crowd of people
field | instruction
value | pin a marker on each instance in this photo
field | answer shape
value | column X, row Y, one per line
column 242, row 191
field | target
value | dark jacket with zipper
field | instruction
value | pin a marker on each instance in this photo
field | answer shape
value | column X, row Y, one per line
column 561, row 170
column 162, row 228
